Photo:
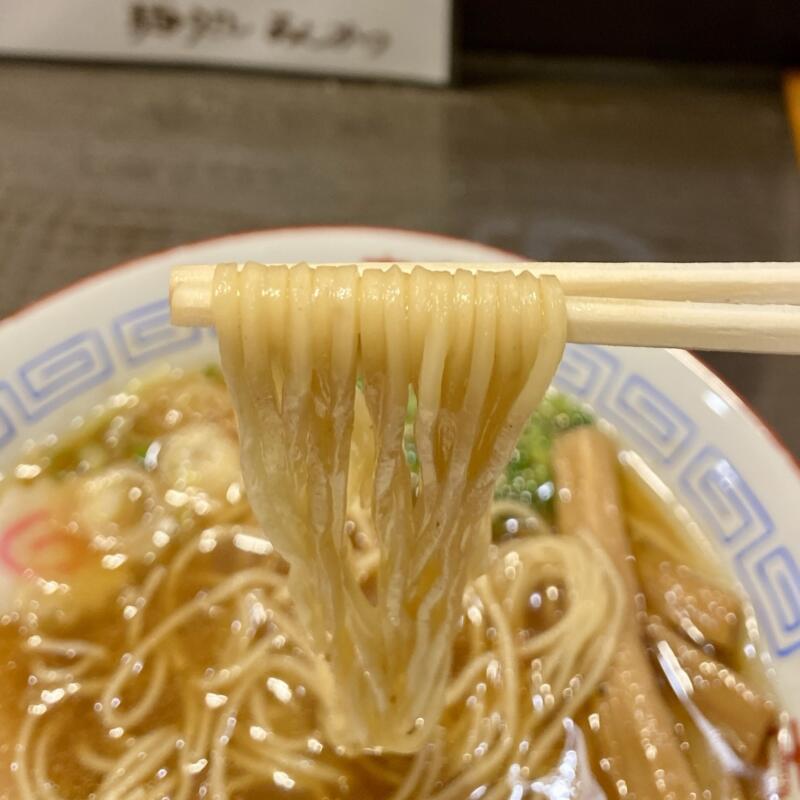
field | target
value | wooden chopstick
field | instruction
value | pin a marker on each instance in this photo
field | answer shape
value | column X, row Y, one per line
column 741, row 328
column 749, row 282
column 741, row 307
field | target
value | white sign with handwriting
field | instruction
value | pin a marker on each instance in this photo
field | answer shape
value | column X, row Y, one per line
column 396, row 39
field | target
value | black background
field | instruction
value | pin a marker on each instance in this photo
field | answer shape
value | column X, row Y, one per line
column 753, row 31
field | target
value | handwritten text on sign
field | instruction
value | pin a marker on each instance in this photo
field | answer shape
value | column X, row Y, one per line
column 403, row 39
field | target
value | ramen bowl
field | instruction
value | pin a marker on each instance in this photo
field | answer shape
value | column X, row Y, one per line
column 69, row 351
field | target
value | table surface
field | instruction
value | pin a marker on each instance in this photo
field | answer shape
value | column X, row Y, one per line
column 555, row 160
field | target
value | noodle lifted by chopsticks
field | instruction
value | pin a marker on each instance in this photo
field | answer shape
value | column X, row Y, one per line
column 478, row 351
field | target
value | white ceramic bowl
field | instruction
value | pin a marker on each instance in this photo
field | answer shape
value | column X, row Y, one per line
column 69, row 350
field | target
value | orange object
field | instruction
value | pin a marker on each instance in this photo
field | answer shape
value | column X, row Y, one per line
column 791, row 90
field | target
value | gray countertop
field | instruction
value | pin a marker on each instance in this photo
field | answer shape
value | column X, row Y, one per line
column 558, row 161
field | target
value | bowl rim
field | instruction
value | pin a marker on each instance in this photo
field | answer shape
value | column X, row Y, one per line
column 688, row 359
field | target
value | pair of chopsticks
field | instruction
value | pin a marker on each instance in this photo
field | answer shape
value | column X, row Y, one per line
column 744, row 307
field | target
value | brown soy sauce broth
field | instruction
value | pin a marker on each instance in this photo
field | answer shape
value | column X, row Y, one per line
column 152, row 480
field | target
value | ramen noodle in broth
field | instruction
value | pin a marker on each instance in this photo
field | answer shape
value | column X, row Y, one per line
column 187, row 632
